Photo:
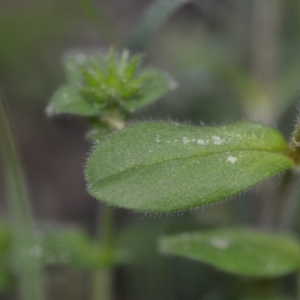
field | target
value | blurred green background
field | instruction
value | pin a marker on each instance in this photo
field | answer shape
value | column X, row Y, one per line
column 232, row 60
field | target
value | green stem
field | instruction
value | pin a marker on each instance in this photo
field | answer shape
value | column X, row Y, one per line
column 106, row 226
column 24, row 255
column 103, row 279
column 102, row 284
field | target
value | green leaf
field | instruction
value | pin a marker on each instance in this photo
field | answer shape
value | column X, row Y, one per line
column 239, row 251
column 160, row 167
column 68, row 100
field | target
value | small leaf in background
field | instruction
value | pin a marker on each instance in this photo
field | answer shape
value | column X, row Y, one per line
column 240, row 251
column 72, row 63
column 109, row 88
column 156, row 85
column 160, row 167
column 68, row 100
column 154, row 17
column 74, row 248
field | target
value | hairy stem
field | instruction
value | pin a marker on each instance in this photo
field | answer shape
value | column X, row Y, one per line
column 295, row 143
column 288, row 196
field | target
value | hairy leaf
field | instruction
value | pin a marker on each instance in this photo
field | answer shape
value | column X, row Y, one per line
column 239, row 251
column 159, row 167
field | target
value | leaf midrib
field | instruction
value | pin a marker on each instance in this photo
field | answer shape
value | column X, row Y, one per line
column 107, row 178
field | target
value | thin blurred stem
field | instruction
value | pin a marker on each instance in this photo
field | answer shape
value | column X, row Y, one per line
column 107, row 226
column 18, row 191
column 102, row 284
column 27, row 266
column 103, row 279
column 266, row 41
column 298, row 285
column 266, row 54
column 104, row 24
column 287, row 202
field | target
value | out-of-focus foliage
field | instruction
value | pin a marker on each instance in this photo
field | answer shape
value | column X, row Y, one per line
column 239, row 251
column 29, row 33
column 208, row 47
column 73, row 247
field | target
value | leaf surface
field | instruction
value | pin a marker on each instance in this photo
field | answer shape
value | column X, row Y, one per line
column 240, row 251
column 161, row 167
